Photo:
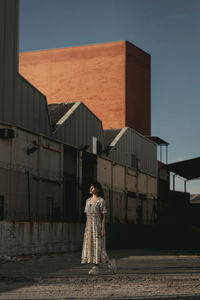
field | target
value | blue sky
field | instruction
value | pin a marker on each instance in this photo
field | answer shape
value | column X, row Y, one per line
column 169, row 30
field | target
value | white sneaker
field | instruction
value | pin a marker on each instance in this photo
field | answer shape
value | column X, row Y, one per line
column 112, row 265
column 94, row 270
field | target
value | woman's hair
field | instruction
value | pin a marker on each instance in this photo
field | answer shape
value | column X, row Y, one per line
column 98, row 185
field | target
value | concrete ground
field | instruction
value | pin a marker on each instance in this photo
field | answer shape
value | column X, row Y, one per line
column 142, row 274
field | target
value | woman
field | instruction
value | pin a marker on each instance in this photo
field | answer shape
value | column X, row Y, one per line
column 94, row 250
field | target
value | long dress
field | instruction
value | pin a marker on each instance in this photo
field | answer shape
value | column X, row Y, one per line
column 93, row 250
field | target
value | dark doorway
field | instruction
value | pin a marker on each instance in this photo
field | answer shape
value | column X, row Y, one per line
column 89, row 174
column 70, row 194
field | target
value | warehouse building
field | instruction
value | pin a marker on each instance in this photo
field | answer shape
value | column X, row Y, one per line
column 49, row 154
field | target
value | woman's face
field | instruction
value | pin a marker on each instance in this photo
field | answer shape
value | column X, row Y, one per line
column 93, row 190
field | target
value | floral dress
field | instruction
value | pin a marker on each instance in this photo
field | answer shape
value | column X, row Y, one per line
column 93, row 250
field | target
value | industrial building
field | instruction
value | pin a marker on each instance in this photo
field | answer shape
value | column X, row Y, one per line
column 49, row 154
column 117, row 74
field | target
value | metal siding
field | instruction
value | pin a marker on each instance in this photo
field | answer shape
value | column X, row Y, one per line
column 21, row 145
column 2, row 56
column 132, row 210
column 17, row 107
column 78, row 121
column 131, row 180
column 147, row 205
column 112, row 180
column 49, row 161
column 104, row 172
column 23, row 104
column 152, row 187
column 68, row 128
column 142, row 183
column 88, row 120
column 8, row 57
column 5, row 150
column 84, row 129
column 19, row 199
column 27, row 104
column 79, row 128
column 119, row 177
column 108, row 204
column 150, row 210
column 34, row 198
column 5, row 189
column 118, row 207
column 48, row 200
column 26, row 238
column 133, row 143
column 36, row 112
column 41, row 114
column 9, row 60
column 101, row 136
column 75, row 138
column 32, row 107
column 14, row 164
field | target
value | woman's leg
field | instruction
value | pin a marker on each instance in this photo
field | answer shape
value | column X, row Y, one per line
column 112, row 265
column 94, row 270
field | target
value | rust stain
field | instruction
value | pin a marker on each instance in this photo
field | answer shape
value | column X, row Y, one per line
column 21, row 225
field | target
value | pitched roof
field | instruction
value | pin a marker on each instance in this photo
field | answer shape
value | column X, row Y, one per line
column 58, row 110
column 110, row 135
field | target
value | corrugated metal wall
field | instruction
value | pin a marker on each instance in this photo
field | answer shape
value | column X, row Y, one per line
column 133, row 143
column 20, row 103
column 79, row 128
column 130, row 195
column 8, row 56
column 30, row 108
column 31, row 166
column 31, row 184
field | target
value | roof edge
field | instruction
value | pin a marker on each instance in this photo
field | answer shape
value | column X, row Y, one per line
column 77, row 46
column 118, row 136
column 68, row 113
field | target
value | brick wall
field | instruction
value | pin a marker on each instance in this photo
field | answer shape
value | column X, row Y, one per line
column 93, row 74
column 138, row 89
column 112, row 79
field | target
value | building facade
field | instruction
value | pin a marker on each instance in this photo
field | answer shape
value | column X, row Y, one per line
column 112, row 79
column 49, row 155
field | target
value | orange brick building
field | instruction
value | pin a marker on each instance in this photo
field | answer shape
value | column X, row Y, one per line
column 112, row 79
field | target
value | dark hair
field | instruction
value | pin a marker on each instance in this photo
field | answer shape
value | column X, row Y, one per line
column 98, row 185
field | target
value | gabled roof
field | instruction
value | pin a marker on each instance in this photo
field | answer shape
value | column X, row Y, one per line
column 110, row 134
column 60, row 111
